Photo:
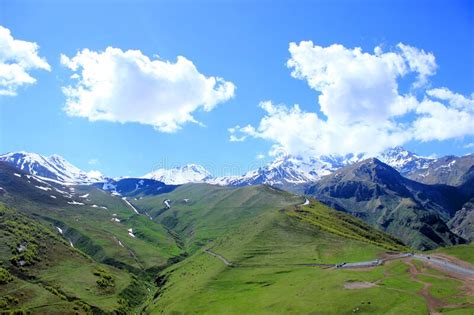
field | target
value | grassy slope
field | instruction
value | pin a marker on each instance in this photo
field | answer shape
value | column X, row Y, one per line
column 44, row 283
column 271, row 251
column 211, row 211
column 91, row 228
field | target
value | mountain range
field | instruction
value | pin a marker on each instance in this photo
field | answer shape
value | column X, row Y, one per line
column 284, row 172
column 426, row 202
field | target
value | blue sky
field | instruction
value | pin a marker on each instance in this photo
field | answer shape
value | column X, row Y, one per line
column 243, row 42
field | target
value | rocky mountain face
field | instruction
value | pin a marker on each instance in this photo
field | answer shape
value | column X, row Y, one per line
column 463, row 221
column 448, row 170
column 375, row 192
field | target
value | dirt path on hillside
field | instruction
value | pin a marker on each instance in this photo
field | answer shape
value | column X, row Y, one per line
column 224, row 260
column 433, row 303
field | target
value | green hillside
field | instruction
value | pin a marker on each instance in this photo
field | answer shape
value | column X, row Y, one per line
column 42, row 273
column 96, row 222
column 200, row 213
column 273, row 270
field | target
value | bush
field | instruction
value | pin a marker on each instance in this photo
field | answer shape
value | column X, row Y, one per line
column 105, row 279
column 8, row 301
column 5, row 276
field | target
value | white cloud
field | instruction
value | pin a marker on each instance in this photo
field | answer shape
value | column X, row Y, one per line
column 17, row 58
column 364, row 111
column 469, row 145
column 260, row 156
column 441, row 122
column 420, row 62
column 297, row 132
column 127, row 86
column 454, row 99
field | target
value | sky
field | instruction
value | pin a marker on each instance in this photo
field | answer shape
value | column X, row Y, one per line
column 126, row 87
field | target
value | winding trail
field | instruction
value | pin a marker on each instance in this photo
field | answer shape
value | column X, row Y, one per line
column 224, row 260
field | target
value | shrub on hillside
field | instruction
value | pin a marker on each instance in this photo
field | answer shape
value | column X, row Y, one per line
column 5, row 276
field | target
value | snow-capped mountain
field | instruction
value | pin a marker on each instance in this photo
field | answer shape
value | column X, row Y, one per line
column 190, row 173
column 289, row 170
column 405, row 161
column 54, row 168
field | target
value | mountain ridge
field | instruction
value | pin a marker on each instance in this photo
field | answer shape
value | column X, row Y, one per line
column 289, row 172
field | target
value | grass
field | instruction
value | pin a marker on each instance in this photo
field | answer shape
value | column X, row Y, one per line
column 399, row 278
column 211, row 211
column 271, row 251
column 57, row 277
column 89, row 226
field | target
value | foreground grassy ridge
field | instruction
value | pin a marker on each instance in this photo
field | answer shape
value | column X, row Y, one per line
column 345, row 225
column 271, row 277
column 201, row 213
column 272, row 274
column 55, row 277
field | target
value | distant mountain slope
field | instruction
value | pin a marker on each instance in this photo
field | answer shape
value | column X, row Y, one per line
column 53, row 167
column 462, row 222
column 133, row 187
column 377, row 193
column 190, row 173
column 295, row 173
column 447, row 170
column 289, row 172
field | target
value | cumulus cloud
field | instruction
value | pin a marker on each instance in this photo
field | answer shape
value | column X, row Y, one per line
column 17, row 59
column 439, row 121
column 454, row 99
column 128, row 86
column 362, row 106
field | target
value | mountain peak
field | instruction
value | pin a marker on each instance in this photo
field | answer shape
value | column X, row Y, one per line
column 404, row 161
column 189, row 173
column 54, row 167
